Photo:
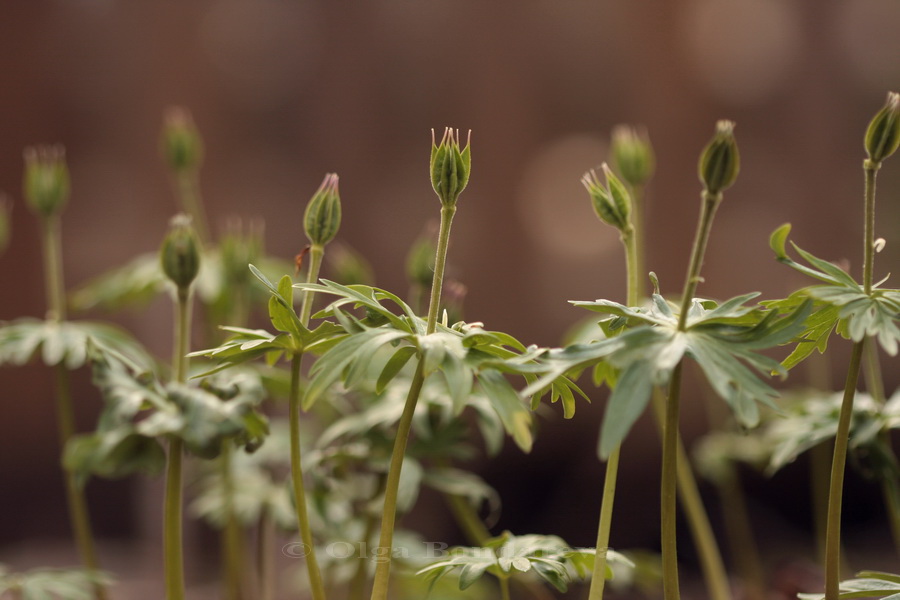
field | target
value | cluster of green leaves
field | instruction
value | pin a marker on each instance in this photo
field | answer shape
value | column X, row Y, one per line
column 51, row 584
column 468, row 356
column 840, row 305
column 867, row 584
column 550, row 557
column 140, row 410
column 814, row 419
column 644, row 345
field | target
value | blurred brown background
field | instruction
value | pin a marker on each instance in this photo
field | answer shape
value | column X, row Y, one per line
column 285, row 91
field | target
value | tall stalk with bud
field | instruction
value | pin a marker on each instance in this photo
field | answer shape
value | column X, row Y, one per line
column 46, row 190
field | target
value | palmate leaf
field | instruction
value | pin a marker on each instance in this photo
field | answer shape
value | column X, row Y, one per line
column 842, row 304
column 722, row 338
column 867, row 584
column 140, row 409
column 812, row 418
column 550, row 557
column 468, row 356
column 52, row 584
column 65, row 342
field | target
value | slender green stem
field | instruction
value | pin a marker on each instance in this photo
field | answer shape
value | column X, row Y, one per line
column 265, row 565
column 173, row 546
column 669, row 487
column 504, row 588
column 440, row 262
column 871, row 171
column 468, row 520
column 838, row 462
column 598, row 579
column 711, row 562
column 389, row 515
column 233, row 551
column 638, row 222
column 188, row 187
column 51, row 239
column 316, row 252
column 743, row 542
column 312, row 564
column 670, row 432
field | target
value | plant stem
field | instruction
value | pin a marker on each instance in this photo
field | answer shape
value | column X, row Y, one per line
column 173, row 547
column 265, row 560
column 838, row 462
column 670, row 431
column 598, row 578
column 743, row 543
column 871, row 171
column 188, row 188
column 638, row 222
column 389, row 515
column 468, row 520
column 51, row 238
column 504, row 588
column 692, row 505
column 312, row 564
column 231, row 535
column 316, row 252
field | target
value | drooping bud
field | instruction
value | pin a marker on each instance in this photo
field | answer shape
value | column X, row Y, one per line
column 323, row 213
column 180, row 143
column 632, row 154
column 180, row 254
column 612, row 202
column 720, row 161
column 450, row 166
column 46, row 181
column 883, row 134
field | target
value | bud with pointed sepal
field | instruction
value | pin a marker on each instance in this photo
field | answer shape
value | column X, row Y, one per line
column 46, row 181
column 450, row 166
column 180, row 253
column 612, row 202
column 632, row 154
column 323, row 213
column 720, row 161
column 883, row 134
column 181, row 145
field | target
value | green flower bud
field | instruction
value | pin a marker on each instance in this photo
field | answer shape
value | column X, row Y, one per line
column 4, row 223
column 323, row 213
column 632, row 154
column 180, row 253
column 883, row 134
column 720, row 161
column 450, row 166
column 180, row 143
column 46, row 185
column 612, row 202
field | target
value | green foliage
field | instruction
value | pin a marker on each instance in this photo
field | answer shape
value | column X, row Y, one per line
column 868, row 584
column 719, row 337
column 814, row 419
column 140, row 411
column 51, row 584
column 465, row 354
column 550, row 557
column 65, row 342
column 842, row 305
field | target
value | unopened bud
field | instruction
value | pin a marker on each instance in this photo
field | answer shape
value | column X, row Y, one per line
column 450, row 166
column 180, row 143
column 883, row 134
column 46, row 185
column 180, row 254
column 632, row 154
column 323, row 213
column 720, row 161
column 612, row 202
